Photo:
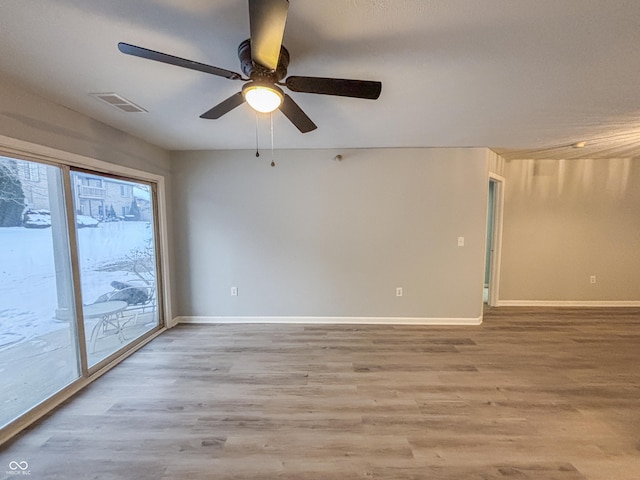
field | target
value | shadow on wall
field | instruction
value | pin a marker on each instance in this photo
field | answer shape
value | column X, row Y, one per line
column 555, row 178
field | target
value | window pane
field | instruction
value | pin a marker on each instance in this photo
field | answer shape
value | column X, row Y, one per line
column 38, row 340
column 116, row 250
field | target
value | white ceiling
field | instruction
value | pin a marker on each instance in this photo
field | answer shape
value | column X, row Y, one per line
column 527, row 78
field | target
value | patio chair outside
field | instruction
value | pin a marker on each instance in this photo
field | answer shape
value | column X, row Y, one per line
column 137, row 300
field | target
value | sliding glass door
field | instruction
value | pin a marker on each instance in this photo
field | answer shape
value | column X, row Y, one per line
column 78, row 277
column 39, row 352
column 115, row 231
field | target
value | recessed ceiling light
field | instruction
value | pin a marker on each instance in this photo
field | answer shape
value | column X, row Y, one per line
column 579, row 145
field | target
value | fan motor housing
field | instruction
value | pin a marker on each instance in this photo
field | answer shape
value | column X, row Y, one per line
column 257, row 72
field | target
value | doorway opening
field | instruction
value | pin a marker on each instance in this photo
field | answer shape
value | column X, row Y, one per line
column 494, row 237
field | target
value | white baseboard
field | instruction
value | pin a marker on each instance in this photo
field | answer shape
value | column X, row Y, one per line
column 568, row 303
column 333, row 320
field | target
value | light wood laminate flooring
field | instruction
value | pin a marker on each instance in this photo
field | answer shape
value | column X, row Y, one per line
column 530, row 394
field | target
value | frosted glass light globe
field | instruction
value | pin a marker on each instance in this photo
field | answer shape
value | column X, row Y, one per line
column 263, row 98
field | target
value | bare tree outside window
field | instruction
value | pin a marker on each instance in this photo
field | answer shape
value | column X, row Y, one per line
column 12, row 200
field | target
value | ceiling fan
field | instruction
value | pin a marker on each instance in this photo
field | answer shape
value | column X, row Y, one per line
column 264, row 61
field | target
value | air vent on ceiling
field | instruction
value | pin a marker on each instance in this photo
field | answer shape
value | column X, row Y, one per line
column 119, row 102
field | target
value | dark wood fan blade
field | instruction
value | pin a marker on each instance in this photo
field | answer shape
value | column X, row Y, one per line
column 267, row 19
column 177, row 61
column 295, row 114
column 335, row 86
column 224, row 107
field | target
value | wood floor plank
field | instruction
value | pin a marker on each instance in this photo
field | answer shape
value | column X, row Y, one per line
column 530, row 394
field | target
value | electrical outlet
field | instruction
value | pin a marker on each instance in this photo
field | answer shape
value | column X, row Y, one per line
column 592, row 279
column 399, row 292
column 461, row 241
column 234, row 291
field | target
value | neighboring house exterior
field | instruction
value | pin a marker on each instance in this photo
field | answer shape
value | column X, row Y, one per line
column 144, row 205
column 33, row 177
column 93, row 195
column 103, row 197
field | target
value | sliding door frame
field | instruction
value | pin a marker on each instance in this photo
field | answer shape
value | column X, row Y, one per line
column 22, row 150
column 75, row 271
column 158, row 266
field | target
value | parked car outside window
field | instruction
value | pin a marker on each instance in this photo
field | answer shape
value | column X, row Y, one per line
column 86, row 221
column 36, row 219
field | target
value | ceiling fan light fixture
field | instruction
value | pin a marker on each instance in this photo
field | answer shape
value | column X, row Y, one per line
column 264, row 62
column 262, row 98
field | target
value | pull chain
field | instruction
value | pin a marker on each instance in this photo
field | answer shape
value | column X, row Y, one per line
column 257, row 152
column 273, row 163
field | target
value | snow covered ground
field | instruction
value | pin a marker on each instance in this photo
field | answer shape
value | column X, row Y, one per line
column 28, row 295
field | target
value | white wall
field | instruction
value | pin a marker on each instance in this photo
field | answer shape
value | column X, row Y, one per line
column 324, row 238
column 566, row 220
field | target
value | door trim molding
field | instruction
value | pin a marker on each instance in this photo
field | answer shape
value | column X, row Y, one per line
column 496, row 256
